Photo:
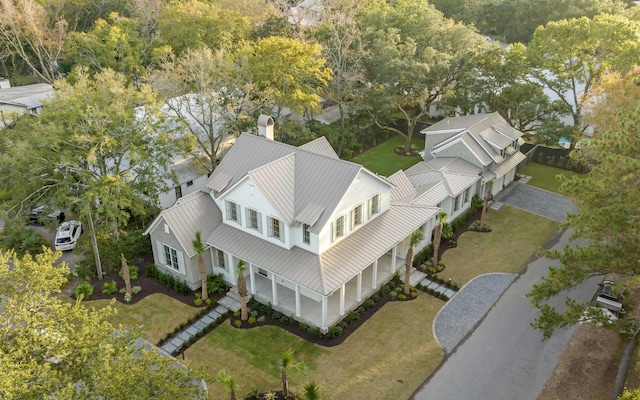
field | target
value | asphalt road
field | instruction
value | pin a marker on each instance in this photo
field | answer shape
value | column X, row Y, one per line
column 505, row 358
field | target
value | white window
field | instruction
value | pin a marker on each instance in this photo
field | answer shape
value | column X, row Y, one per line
column 219, row 259
column 171, row 257
column 254, row 220
column 456, row 203
column 356, row 216
column 275, row 228
column 306, row 235
column 233, row 211
column 467, row 195
column 374, row 205
column 338, row 227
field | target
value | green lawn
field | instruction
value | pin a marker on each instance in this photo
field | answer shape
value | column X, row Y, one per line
column 382, row 160
column 154, row 316
column 516, row 236
column 545, row 177
column 394, row 345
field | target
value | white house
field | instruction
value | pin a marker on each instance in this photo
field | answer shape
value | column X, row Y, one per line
column 319, row 234
column 21, row 99
column 486, row 142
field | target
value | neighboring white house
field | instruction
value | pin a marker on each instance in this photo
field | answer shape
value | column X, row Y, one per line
column 319, row 234
column 21, row 99
column 485, row 141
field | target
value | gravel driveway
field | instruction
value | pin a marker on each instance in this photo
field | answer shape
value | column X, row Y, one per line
column 538, row 201
column 467, row 308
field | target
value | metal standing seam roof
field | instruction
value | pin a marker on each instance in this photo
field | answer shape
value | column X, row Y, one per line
column 192, row 213
column 325, row 273
column 432, row 195
column 507, row 165
column 320, row 146
column 457, row 175
column 402, row 189
column 276, row 181
column 318, row 179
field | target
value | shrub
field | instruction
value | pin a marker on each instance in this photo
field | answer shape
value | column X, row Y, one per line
column 393, row 295
column 369, row 303
column 396, row 280
column 375, row 298
column 303, row 327
column 84, row 290
column 276, row 315
column 414, row 295
column 136, row 289
column 284, row 319
column 133, row 273
column 261, row 318
column 127, row 297
column 216, row 284
column 252, row 319
column 238, row 323
column 335, row 331
column 236, row 314
column 314, row 332
column 477, row 227
column 109, row 287
column 152, row 271
column 85, row 271
column 402, row 297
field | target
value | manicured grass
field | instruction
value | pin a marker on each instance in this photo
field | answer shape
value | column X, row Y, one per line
column 516, row 236
column 393, row 346
column 382, row 160
column 154, row 316
column 545, row 177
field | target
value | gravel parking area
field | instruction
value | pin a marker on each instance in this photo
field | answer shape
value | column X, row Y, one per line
column 465, row 310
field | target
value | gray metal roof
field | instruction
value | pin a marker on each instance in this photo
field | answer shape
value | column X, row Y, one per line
column 320, row 146
column 17, row 94
column 431, row 195
column 507, row 165
column 317, row 179
column 192, row 213
column 402, row 190
column 456, row 174
column 325, row 274
column 276, row 181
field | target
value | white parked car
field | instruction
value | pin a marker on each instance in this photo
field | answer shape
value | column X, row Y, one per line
column 67, row 235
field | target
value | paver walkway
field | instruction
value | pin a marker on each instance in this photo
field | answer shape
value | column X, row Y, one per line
column 175, row 345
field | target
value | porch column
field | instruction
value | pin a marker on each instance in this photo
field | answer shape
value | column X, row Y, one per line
column 374, row 275
column 325, row 317
column 342, row 291
column 359, row 286
column 298, row 305
column 252, row 279
column 394, row 253
column 274, row 290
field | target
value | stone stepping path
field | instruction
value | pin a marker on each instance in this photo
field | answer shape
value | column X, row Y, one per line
column 175, row 345
column 428, row 283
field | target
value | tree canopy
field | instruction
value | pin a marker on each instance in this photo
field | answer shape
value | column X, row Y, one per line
column 60, row 349
column 609, row 214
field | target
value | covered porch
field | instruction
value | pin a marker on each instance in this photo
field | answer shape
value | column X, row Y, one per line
column 317, row 310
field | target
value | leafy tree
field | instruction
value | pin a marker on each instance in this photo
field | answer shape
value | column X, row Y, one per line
column 229, row 382
column 114, row 43
column 345, row 52
column 274, row 25
column 242, row 289
column 569, row 56
column 210, row 99
column 438, row 237
column 287, row 72
column 194, row 24
column 59, row 349
column 607, row 221
column 28, row 32
column 287, row 363
column 414, row 60
column 199, row 248
column 415, row 239
column 82, row 14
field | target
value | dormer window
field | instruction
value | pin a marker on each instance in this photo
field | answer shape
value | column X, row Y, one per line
column 374, row 205
column 306, row 235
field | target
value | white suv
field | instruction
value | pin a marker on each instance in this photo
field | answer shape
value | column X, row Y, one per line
column 67, row 235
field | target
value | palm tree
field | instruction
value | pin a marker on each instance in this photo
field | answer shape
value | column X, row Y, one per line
column 487, row 197
column 242, row 289
column 438, row 236
column 198, row 247
column 229, row 382
column 311, row 391
column 125, row 275
column 414, row 240
column 286, row 364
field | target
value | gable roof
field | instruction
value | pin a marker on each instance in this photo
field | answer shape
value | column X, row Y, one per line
column 451, row 174
column 485, row 135
column 402, row 190
column 192, row 213
column 303, row 185
column 320, row 146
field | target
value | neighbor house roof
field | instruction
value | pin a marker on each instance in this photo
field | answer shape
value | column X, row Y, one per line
column 302, row 183
column 325, row 273
column 28, row 96
column 192, row 213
